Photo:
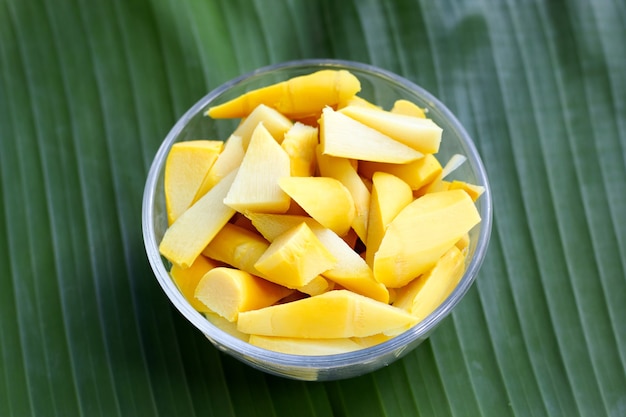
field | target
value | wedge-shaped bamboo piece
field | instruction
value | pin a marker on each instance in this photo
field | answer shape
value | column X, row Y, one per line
column 300, row 143
column 307, row 347
column 344, row 171
column 186, row 166
column 424, row 294
column 389, row 196
column 242, row 248
column 275, row 123
column 421, row 233
column 321, row 88
column 229, row 291
column 187, row 280
column 332, row 315
column 184, row 240
column 256, row 186
column 345, row 137
column 417, row 173
column 420, row 134
column 237, row 247
column 228, row 160
column 350, row 271
column 408, row 108
column 295, row 257
column 325, row 199
column 439, row 183
column 473, row 190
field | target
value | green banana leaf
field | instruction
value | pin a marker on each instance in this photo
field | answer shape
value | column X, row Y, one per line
column 88, row 90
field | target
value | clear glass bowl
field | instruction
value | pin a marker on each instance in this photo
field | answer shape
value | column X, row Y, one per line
column 380, row 87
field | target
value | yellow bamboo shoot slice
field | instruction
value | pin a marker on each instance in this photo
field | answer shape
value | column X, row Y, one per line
column 275, row 123
column 237, row 247
column 350, row 271
column 308, row 347
column 228, row 160
column 317, row 286
column 228, row 291
column 424, row 294
column 295, row 257
column 300, row 143
column 242, row 248
column 321, row 88
column 325, row 199
column 186, row 166
column 187, row 280
column 344, row 171
column 256, row 186
column 417, row 173
column 389, row 196
column 332, row 315
column 184, row 240
column 408, row 108
column 345, row 137
column 420, row 134
column 421, row 233
column 473, row 190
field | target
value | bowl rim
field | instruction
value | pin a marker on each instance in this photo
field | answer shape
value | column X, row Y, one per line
column 394, row 346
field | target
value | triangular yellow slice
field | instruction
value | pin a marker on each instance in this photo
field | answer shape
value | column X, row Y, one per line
column 295, row 257
column 423, row 135
column 228, row 160
column 256, row 186
column 389, row 196
column 185, row 167
column 325, row 199
column 350, row 271
column 343, row 136
column 345, row 172
column 422, row 232
column 275, row 123
column 424, row 294
column 184, row 240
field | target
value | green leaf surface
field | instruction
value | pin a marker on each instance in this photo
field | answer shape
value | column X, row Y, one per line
column 88, row 90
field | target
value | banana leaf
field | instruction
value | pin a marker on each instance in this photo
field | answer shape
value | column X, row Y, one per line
column 88, row 90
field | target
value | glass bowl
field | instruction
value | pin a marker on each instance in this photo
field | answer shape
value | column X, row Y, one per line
column 380, row 87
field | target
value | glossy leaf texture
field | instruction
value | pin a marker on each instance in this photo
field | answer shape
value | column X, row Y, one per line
column 88, row 90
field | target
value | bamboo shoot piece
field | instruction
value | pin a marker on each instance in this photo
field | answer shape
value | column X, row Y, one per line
column 255, row 187
column 325, row 199
column 187, row 280
column 418, row 133
column 184, row 240
column 345, row 172
column 295, row 257
column 421, row 233
column 275, row 123
column 345, row 137
column 186, row 166
column 332, row 315
column 229, row 291
column 424, row 294
column 350, row 271
column 321, row 88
